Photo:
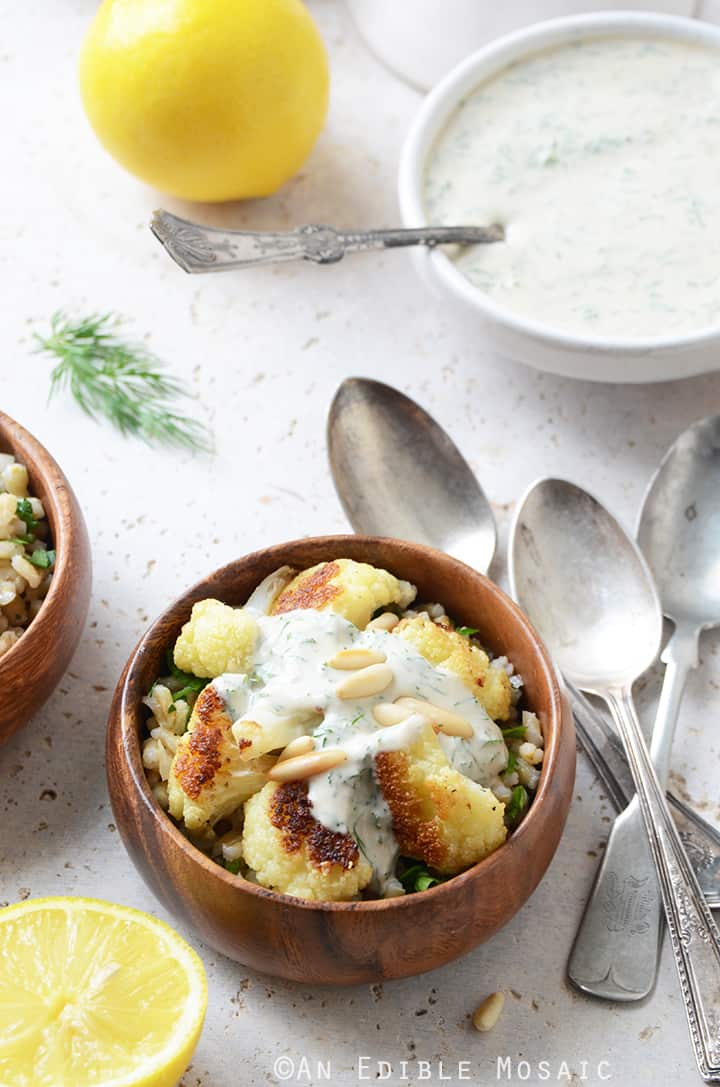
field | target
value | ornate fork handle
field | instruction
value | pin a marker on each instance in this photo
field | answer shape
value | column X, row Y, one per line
column 199, row 248
column 694, row 936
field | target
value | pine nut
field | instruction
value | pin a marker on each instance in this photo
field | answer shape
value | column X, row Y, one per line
column 303, row 745
column 365, row 682
column 487, row 1014
column 387, row 621
column 348, row 660
column 452, row 724
column 307, row 766
column 388, row 714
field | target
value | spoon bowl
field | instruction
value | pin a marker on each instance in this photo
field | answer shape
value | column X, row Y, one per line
column 583, row 578
column 399, row 474
column 679, row 527
column 585, row 584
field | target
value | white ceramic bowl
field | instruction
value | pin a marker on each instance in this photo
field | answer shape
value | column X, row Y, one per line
column 421, row 40
column 511, row 335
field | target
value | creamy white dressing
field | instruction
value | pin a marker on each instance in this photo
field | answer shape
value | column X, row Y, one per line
column 293, row 684
column 602, row 159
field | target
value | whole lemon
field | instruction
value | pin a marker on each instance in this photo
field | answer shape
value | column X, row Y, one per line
column 206, row 99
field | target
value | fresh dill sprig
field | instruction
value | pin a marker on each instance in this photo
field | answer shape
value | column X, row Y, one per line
column 120, row 381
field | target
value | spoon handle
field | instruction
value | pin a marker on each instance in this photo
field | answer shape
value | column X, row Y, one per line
column 603, row 748
column 198, row 248
column 694, row 936
column 680, row 657
column 617, row 947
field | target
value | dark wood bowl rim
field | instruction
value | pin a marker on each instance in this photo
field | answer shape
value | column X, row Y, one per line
column 129, row 709
column 57, row 500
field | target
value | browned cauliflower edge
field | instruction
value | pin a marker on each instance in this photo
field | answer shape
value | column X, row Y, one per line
column 291, row 852
column 439, row 816
column 444, row 647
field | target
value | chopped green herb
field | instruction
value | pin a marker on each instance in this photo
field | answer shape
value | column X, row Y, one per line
column 423, row 882
column 517, row 732
column 467, row 632
column 25, row 512
column 357, row 718
column 512, row 763
column 394, row 608
column 516, row 806
column 43, row 559
column 408, row 877
column 254, row 680
column 232, row 866
column 358, row 839
column 183, row 694
column 26, row 539
column 416, row 877
column 194, row 683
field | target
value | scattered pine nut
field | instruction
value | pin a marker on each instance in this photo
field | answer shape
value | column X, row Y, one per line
column 487, row 1014
column 303, row 767
column 365, row 682
column 303, row 745
column 348, row 660
column 452, row 724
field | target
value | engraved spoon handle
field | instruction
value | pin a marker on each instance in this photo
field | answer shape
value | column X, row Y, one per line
column 617, row 946
column 354, row 241
column 603, row 748
column 199, row 248
column 694, row 936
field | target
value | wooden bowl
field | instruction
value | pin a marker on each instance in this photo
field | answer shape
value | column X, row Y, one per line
column 348, row 942
column 30, row 671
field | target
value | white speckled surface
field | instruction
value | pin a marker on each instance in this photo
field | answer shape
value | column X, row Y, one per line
column 264, row 352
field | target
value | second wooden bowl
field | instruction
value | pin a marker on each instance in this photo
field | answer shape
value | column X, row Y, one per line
column 348, row 942
column 31, row 670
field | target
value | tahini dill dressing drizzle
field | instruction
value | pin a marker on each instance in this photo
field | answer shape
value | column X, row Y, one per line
column 293, row 681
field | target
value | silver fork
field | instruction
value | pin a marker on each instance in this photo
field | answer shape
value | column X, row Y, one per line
column 198, row 248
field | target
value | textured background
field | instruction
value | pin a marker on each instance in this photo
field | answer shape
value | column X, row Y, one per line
column 264, row 353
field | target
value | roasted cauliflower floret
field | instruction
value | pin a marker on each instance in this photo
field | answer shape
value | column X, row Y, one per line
column 444, row 647
column 216, row 639
column 354, row 590
column 439, row 816
column 292, row 853
column 208, row 778
column 256, row 739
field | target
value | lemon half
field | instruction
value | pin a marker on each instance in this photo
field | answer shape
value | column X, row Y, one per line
column 95, row 995
column 206, row 99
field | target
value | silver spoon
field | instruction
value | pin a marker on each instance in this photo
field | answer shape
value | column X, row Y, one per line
column 398, row 473
column 679, row 533
column 589, row 591
column 198, row 248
